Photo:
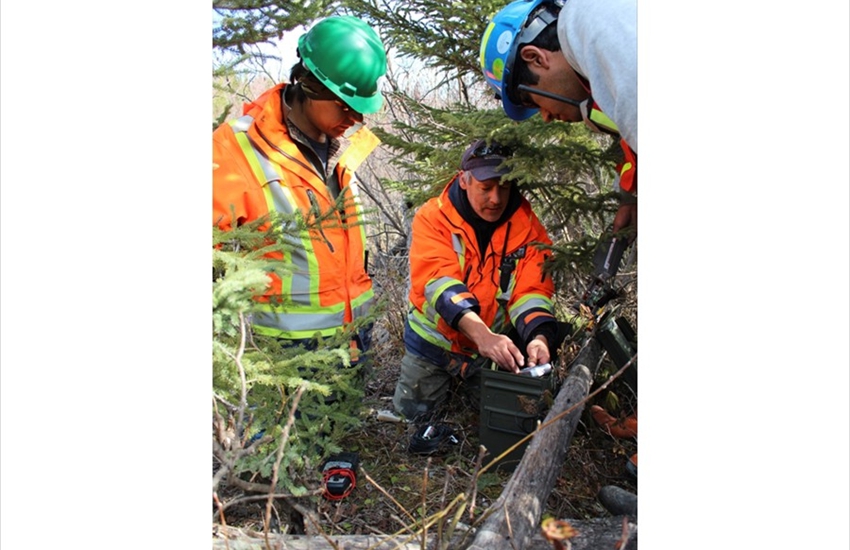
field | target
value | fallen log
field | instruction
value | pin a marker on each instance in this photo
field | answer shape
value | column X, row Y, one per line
column 306, row 542
column 593, row 534
column 514, row 518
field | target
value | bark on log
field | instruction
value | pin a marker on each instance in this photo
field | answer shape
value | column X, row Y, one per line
column 594, row 534
column 304, row 542
column 514, row 518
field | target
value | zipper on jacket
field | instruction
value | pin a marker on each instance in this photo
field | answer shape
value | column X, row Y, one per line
column 287, row 155
column 543, row 271
column 506, row 267
column 315, row 204
column 466, row 277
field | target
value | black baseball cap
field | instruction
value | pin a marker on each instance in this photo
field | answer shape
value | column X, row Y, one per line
column 484, row 160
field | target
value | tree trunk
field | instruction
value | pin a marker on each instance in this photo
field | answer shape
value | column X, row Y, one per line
column 514, row 518
column 592, row 534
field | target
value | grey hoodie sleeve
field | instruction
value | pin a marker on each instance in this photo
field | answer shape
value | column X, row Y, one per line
column 599, row 40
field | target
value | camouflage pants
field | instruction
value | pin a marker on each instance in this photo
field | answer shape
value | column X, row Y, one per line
column 424, row 386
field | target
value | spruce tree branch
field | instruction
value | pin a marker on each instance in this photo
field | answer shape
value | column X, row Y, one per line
column 227, row 461
column 441, row 525
column 426, row 522
column 221, row 516
column 424, row 510
column 284, row 437
column 253, row 498
column 381, row 203
column 228, row 457
column 309, row 516
column 243, row 396
column 482, row 451
column 624, row 539
column 219, row 398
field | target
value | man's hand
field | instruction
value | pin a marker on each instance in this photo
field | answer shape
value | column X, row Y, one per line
column 626, row 217
column 496, row 347
column 502, row 350
column 538, row 351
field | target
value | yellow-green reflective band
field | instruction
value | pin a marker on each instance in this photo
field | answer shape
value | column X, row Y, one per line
column 460, row 248
column 250, row 156
column 292, row 321
column 437, row 286
column 499, row 322
column 601, row 119
column 527, row 302
column 294, row 334
column 626, row 167
column 361, row 305
column 423, row 328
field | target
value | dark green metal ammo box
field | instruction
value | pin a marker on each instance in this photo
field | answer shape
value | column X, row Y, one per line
column 511, row 406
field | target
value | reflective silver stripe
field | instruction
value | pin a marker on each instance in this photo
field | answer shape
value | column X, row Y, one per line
column 300, row 278
column 528, row 302
column 431, row 313
column 457, row 244
column 242, row 123
column 281, row 202
column 500, row 323
column 459, row 249
column 358, row 309
column 290, row 321
column 505, row 296
column 427, row 331
column 436, row 286
column 298, row 286
column 298, row 283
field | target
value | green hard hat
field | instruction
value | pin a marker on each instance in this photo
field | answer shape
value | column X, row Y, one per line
column 348, row 57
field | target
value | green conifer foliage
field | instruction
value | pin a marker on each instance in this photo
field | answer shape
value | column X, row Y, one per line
column 433, row 112
column 564, row 169
column 255, row 378
column 244, row 22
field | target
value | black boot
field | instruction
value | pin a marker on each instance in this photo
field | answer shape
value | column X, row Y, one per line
column 618, row 501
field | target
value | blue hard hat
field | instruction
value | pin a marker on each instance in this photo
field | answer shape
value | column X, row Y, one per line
column 509, row 28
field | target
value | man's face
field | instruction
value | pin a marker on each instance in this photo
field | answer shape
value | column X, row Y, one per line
column 557, row 77
column 333, row 117
column 487, row 198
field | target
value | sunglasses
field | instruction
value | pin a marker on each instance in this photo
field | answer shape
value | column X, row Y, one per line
column 525, row 92
column 488, row 150
column 346, row 109
column 317, row 91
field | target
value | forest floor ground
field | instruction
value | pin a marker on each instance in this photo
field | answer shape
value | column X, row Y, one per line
column 594, row 459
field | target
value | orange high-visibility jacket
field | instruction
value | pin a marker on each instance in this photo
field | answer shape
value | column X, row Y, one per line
column 257, row 169
column 449, row 276
column 627, row 169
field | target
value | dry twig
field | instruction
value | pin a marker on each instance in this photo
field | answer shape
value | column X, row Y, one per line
column 284, row 437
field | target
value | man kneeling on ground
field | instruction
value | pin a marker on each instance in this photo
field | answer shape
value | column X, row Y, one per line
column 478, row 291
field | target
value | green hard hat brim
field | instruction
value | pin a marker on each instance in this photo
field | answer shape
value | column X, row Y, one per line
column 366, row 105
column 363, row 105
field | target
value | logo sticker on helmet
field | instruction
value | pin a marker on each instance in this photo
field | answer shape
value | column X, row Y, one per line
column 498, row 68
column 504, row 42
